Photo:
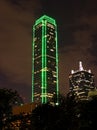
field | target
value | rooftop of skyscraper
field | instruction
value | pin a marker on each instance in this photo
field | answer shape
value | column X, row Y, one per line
column 80, row 69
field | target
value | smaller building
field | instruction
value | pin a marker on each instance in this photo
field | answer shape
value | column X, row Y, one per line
column 81, row 82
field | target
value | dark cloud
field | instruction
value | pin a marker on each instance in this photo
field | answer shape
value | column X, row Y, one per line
column 25, row 5
column 93, row 49
column 15, row 2
column 23, row 89
column 3, row 79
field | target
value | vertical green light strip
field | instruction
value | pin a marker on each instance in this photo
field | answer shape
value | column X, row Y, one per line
column 43, row 63
column 57, row 84
column 33, row 64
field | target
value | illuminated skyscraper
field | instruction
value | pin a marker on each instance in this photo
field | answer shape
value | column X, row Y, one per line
column 81, row 82
column 44, row 60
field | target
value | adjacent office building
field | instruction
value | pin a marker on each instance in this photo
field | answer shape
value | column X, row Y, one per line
column 44, row 60
column 81, row 82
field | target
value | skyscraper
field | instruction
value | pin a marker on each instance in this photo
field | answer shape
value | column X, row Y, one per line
column 81, row 82
column 44, row 60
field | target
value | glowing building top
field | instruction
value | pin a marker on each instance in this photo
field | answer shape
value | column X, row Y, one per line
column 80, row 68
column 81, row 82
column 47, row 18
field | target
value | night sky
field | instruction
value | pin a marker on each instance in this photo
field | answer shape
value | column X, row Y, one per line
column 77, row 39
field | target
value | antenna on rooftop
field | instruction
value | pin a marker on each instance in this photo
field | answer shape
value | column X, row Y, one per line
column 80, row 66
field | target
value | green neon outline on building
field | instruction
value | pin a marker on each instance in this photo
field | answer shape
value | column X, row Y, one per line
column 44, row 85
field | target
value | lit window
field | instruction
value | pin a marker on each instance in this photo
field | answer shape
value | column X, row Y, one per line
column 51, row 33
column 51, row 50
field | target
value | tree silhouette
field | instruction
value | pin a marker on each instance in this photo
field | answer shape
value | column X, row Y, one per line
column 8, row 98
column 70, row 114
column 50, row 117
column 45, row 117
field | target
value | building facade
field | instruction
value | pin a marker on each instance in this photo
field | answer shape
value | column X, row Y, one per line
column 81, row 82
column 44, row 60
